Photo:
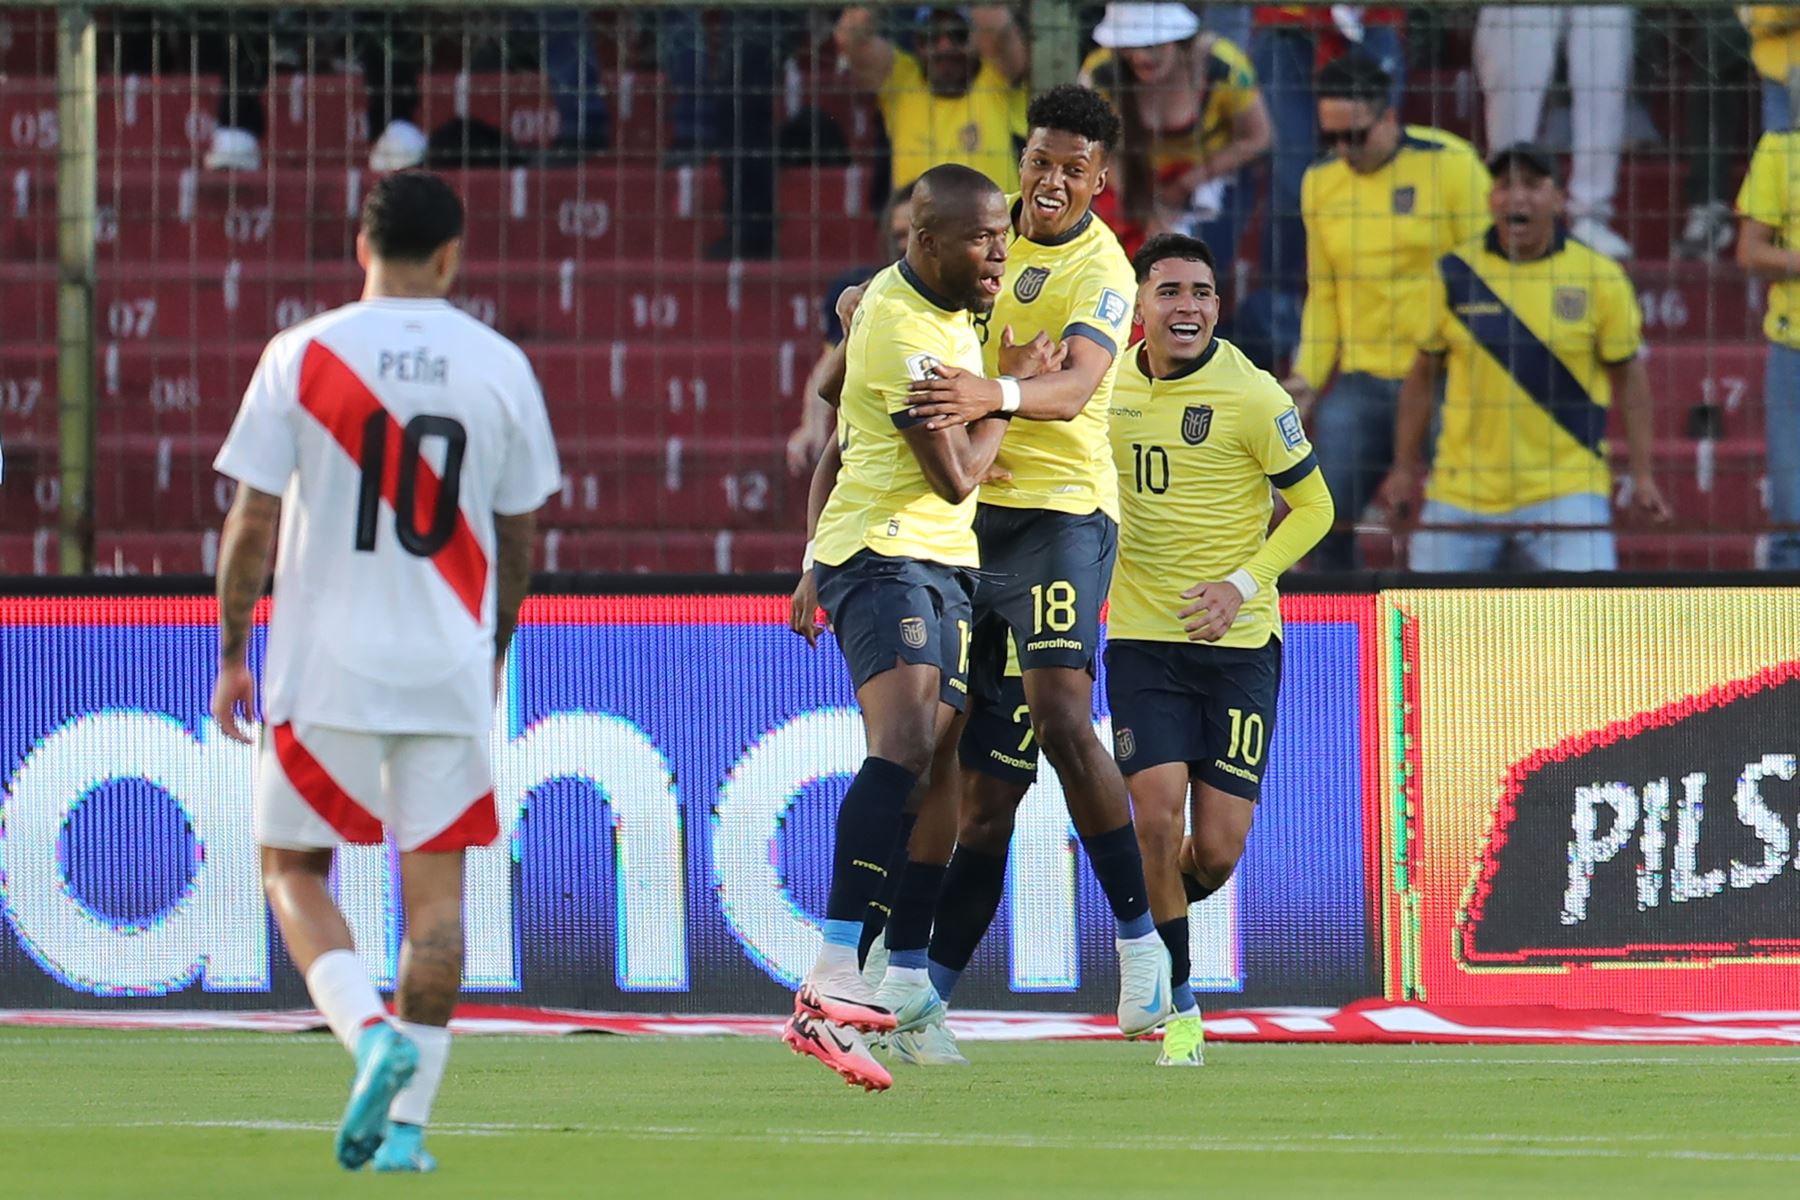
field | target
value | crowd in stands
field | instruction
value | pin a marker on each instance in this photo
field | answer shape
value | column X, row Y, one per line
column 1257, row 128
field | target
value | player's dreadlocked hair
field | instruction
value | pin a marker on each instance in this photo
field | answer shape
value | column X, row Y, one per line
column 1078, row 110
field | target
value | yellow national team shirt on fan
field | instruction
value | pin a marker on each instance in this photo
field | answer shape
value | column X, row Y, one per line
column 1196, row 455
column 1771, row 196
column 882, row 500
column 1372, row 245
column 1078, row 286
column 983, row 128
column 1529, row 344
column 1230, row 89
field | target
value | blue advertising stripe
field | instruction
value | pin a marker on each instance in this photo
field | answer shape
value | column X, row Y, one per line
column 1543, row 377
column 621, row 885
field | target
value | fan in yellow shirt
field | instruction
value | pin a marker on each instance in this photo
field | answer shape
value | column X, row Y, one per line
column 1379, row 213
column 1542, row 335
column 1769, row 247
column 961, row 98
column 1775, row 51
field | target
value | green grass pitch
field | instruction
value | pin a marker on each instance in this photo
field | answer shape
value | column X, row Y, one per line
column 250, row 1115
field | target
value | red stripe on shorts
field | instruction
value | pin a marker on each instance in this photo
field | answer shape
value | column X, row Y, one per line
column 323, row 794
column 340, row 401
column 479, row 825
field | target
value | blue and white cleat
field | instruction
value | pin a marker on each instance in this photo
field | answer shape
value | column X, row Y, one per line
column 914, row 1005
column 404, row 1150
column 1146, row 998
column 385, row 1062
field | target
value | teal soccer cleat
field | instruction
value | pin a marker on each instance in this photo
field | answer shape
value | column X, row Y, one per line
column 404, row 1150
column 385, row 1062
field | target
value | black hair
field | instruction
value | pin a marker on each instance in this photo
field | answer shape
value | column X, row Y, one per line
column 1082, row 111
column 949, row 190
column 1354, row 77
column 409, row 215
column 1170, row 245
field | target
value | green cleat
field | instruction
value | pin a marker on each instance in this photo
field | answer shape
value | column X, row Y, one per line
column 1184, row 1043
column 404, row 1150
column 385, row 1062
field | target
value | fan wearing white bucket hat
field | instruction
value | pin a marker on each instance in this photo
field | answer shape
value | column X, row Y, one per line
column 1194, row 118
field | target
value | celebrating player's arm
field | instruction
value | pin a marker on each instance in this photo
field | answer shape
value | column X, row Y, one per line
column 991, row 30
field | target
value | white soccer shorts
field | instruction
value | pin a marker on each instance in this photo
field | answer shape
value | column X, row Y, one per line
column 319, row 787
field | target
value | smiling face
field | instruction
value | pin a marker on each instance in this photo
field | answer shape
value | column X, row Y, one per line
column 1178, row 302
column 1060, row 173
column 965, row 257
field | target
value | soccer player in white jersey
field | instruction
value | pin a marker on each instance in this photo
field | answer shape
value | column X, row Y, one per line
column 405, row 450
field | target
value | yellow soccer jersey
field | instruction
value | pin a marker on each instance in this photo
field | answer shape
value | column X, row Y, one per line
column 1528, row 347
column 1372, row 245
column 1771, row 196
column 882, row 500
column 984, row 128
column 1196, row 455
column 1079, row 286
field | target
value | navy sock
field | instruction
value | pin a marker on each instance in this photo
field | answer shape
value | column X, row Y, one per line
column 875, row 917
column 909, row 927
column 973, row 884
column 1119, row 867
column 868, row 829
column 1196, row 891
column 1175, row 936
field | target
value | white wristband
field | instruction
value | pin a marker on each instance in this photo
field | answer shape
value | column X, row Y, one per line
column 1241, row 580
column 1009, row 393
column 806, row 557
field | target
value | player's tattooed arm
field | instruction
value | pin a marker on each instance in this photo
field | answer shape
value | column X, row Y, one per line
column 513, row 536
column 243, row 565
column 244, row 547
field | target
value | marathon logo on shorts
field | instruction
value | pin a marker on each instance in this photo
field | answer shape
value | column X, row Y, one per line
column 1030, row 283
column 1124, row 744
column 1405, row 199
column 1570, row 303
column 1196, row 423
column 913, row 632
column 1666, row 837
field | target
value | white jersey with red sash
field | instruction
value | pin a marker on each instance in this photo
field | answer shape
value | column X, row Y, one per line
column 393, row 430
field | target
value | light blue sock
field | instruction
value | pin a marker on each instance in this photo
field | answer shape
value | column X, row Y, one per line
column 914, row 959
column 843, row 933
column 1137, row 927
column 943, row 979
column 1183, row 996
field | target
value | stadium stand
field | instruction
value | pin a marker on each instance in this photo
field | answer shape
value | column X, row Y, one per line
column 672, row 378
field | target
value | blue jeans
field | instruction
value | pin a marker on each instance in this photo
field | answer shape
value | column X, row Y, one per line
column 1781, row 410
column 1589, row 547
column 1353, row 433
column 1777, row 106
column 573, row 70
column 1283, row 59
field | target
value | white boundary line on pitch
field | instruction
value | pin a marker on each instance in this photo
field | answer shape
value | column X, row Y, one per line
column 1488, row 1145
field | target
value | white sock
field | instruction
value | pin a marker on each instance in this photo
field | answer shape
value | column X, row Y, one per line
column 340, row 987
column 911, row 976
column 413, row 1105
column 835, row 958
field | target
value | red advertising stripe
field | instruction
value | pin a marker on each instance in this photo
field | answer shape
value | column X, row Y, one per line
column 340, row 401
column 323, row 794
